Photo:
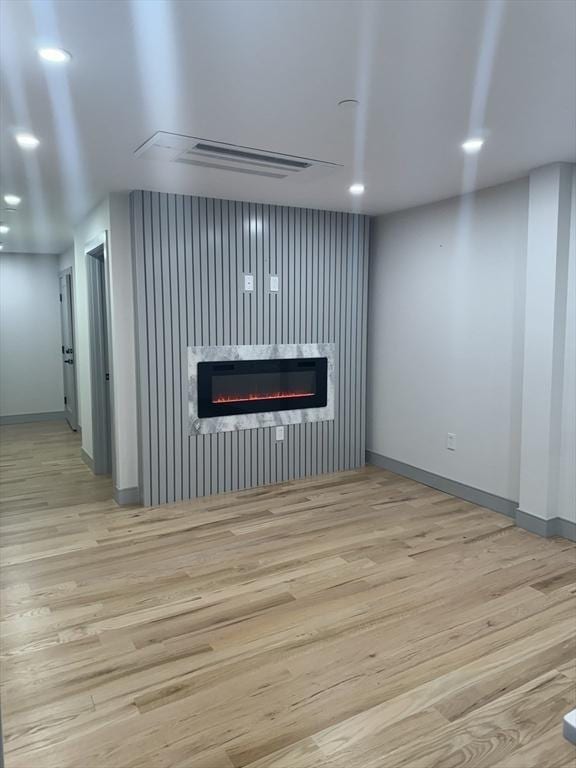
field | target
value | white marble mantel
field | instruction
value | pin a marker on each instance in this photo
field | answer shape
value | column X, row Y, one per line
column 210, row 354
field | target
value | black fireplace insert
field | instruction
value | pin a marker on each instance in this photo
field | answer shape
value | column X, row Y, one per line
column 259, row 386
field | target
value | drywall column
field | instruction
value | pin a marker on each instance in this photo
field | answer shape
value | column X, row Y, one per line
column 111, row 216
column 97, row 222
column 567, row 480
column 549, row 210
column 121, row 298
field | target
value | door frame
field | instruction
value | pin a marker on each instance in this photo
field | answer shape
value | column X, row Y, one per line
column 69, row 271
column 104, row 461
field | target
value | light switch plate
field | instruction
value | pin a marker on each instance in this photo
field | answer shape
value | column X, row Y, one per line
column 451, row 441
column 248, row 282
column 274, row 283
column 279, row 433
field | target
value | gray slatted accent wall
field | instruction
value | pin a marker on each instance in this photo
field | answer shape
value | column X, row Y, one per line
column 189, row 257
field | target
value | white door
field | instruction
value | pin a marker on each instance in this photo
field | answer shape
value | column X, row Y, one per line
column 68, row 351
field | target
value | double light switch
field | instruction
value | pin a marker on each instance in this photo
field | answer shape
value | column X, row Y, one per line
column 274, row 283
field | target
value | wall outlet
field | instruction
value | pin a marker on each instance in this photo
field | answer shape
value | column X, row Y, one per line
column 248, row 282
column 451, row 441
column 279, row 434
column 274, row 283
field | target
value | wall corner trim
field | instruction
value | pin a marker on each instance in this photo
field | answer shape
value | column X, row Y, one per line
column 565, row 528
column 554, row 526
column 127, row 497
column 27, row 418
column 453, row 487
column 87, row 459
column 533, row 523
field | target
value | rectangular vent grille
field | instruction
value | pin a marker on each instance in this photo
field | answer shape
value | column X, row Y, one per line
column 218, row 156
column 240, row 154
column 233, row 168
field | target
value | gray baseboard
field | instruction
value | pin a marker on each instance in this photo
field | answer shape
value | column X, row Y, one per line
column 553, row 527
column 453, row 487
column 28, row 418
column 564, row 528
column 87, row 459
column 127, row 496
column 533, row 524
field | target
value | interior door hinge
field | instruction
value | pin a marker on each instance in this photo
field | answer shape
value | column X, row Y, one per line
column 65, row 399
column 60, row 297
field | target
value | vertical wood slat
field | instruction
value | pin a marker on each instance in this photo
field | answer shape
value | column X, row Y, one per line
column 175, row 336
column 364, row 339
column 184, row 490
column 142, row 316
column 190, row 255
column 152, row 368
column 189, row 488
column 167, row 338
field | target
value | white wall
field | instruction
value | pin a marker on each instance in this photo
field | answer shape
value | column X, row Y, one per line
column 446, row 337
column 30, row 338
column 66, row 259
column 111, row 216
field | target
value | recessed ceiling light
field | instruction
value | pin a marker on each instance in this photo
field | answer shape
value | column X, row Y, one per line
column 356, row 189
column 12, row 200
column 54, row 55
column 27, row 141
column 4, row 229
column 471, row 146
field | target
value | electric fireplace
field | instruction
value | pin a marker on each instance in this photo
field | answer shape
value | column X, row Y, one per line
column 234, row 387
column 250, row 386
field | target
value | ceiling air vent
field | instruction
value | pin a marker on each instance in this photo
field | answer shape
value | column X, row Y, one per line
column 202, row 153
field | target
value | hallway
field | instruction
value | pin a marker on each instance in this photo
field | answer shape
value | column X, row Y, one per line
column 41, row 468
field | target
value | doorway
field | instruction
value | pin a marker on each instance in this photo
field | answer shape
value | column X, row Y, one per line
column 96, row 264
column 68, row 348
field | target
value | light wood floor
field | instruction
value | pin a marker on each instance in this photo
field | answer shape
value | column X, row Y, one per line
column 357, row 620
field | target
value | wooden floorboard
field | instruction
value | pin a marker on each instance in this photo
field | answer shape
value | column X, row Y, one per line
column 357, row 620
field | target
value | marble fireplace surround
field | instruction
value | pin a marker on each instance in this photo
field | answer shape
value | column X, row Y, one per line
column 210, row 354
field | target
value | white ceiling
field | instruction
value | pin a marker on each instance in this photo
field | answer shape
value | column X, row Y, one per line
column 269, row 74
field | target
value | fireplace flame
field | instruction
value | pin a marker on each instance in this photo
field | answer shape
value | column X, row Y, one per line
column 269, row 396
